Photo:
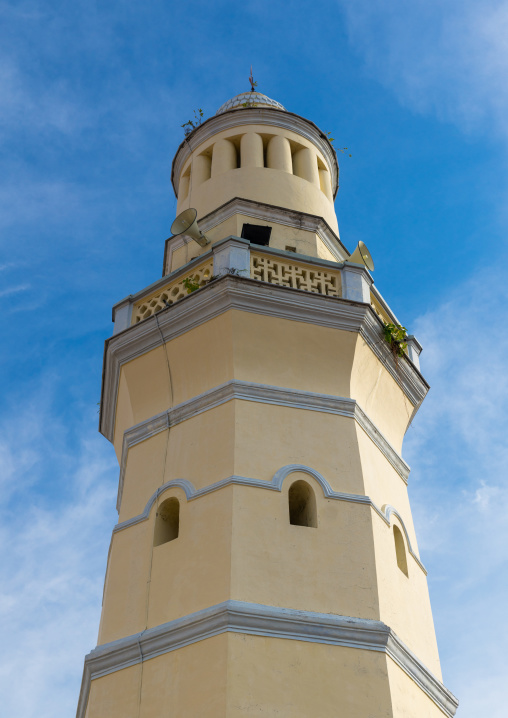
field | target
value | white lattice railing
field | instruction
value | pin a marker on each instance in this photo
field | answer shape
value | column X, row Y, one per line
column 171, row 293
column 293, row 274
column 235, row 257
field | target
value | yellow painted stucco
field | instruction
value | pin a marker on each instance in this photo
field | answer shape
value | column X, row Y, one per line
column 261, row 184
column 236, row 542
column 244, row 675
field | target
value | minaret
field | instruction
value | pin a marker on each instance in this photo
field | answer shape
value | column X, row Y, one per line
column 265, row 559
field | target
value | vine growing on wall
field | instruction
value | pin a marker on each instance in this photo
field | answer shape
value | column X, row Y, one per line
column 331, row 140
column 191, row 124
column 192, row 285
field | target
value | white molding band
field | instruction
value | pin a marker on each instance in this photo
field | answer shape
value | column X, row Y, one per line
column 230, row 292
column 255, row 116
column 266, row 394
column 275, row 484
column 260, row 620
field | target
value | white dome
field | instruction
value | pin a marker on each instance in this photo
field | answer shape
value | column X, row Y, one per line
column 249, row 99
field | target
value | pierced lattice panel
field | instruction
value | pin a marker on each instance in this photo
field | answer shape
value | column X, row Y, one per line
column 297, row 276
column 170, row 294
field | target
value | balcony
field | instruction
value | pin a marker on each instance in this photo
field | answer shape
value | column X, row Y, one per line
column 238, row 257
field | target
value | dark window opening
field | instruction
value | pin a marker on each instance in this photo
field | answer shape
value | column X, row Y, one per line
column 290, row 249
column 167, row 522
column 400, row 550
column 302, row 505
column 256, row 234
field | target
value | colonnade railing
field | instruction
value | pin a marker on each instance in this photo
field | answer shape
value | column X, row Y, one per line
column 253, row 149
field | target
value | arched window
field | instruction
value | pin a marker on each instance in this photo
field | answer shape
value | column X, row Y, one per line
column 167, row 522
column 302, row 505
column 400, row 550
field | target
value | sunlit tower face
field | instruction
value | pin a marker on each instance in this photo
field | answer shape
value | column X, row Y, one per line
column 265, row 556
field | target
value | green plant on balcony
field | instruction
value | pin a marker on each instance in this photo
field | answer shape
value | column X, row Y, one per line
column 191, row 285
column 396, row 336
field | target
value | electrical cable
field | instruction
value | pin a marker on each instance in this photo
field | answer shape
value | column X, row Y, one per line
column 164, row 464
column 171, row 391
column 191, row 173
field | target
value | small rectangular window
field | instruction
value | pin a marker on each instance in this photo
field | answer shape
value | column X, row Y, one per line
column 290, row 249
column 257, row 234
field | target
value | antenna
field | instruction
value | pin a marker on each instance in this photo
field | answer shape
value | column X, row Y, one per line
column 251, row 80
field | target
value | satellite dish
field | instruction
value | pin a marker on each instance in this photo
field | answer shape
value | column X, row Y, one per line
column 186, row 223
column 361, row 255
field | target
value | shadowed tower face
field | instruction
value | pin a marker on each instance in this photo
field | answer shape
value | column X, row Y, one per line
column 265, row 560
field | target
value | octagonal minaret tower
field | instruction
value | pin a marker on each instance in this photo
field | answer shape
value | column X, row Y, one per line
column 265, row 559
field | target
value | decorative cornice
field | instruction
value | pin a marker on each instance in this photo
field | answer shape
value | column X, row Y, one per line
column 268, row 621
column 266, row 213
column 275, row 484
column 266, row 394
column 255, row 116
column 230, row 292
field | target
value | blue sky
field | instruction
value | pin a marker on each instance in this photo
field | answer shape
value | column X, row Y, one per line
column 92, row 97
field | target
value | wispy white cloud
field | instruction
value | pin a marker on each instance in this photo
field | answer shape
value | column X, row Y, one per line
column 30, row 103
column 446, row 57
column 54, row 535
column 459, row 483
column 14, row 290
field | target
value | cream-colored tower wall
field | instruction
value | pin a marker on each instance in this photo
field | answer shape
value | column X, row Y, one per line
column 407, row 698
column 404, row 600
column 168, row 680
column 225, row 441
column 265, row 350
column 222, row 417
column 346, row 566
column 277, row 564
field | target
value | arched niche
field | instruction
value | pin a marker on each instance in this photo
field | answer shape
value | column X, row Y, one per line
column 400, row 550
column 302, row 504
column 167, row 522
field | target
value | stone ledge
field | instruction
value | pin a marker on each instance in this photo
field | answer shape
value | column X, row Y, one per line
column 260, row 620
column 249, row 295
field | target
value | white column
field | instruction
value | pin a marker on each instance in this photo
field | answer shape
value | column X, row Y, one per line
column 414, row 349
column 223, row 158
column 325, row 183
column 305, row 165
column 356, row 283
column 278, row 154
column 122, row 315
column 183, row 188
column 231, row 255
column 201, row 169
column 251, row 150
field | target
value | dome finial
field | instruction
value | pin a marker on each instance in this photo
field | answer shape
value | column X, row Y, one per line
column 253, row 84
column 250, row 99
